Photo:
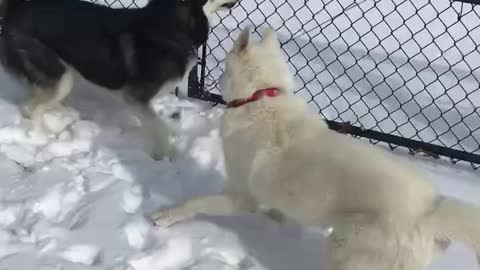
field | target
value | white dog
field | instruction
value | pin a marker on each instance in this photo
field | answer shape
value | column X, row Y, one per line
column 385, row 216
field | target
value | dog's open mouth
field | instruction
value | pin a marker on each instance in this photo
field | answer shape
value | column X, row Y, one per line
column 228, row 5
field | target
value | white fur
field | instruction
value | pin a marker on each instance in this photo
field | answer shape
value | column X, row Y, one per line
column 43, row 99
column 385, row 215
column 212, row 6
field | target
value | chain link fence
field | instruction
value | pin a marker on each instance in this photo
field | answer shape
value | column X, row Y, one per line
column 120, row 3
column 402, row 72
column 398, row 71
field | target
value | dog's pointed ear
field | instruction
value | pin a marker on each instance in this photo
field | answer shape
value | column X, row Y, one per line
column 269, row 38
column 241, row 44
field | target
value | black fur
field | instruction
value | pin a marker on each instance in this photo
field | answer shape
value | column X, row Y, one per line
column 133, row 49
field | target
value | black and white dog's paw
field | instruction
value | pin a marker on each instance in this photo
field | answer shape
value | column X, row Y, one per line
column 167, row 218
column 26, row 109
column 164, row 152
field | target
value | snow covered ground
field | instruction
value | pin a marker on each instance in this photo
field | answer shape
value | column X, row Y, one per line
column 77, row 200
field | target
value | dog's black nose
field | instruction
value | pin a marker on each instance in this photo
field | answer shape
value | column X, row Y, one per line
column 229, row 5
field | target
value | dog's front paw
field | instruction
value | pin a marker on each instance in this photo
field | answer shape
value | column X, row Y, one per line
column 274, row 215
column 160, row 147
column 161, row 153
column 157, row 156
column 27, row 110
column 167, row 218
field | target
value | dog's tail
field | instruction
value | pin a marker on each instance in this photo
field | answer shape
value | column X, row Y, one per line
column 454, row 220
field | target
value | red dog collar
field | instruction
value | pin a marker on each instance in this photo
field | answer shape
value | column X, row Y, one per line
column 269, row 92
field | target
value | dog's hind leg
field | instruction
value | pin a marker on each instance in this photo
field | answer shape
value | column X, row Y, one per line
column 455, row 220
column 46, row 98
column 47, row 76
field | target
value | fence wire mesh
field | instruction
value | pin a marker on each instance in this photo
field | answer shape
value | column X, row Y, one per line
column 120, row 3
column 401, row 71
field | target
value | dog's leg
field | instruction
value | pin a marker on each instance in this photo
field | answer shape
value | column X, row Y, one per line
column 440, row 246
column 222, row 204
column 36, row 98
column 182, row 86
column 46, row 75
column 274, row 215
column 156, row 131
column 46, row 98
column 455, row 220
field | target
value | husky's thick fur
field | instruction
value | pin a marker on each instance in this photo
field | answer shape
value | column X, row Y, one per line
column 138, row 51
column 385, row 215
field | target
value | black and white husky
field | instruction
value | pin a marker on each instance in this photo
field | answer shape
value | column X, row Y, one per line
column 137, row 51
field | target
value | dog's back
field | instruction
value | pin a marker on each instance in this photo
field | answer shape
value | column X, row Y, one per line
column 81, row 33
column 101, row 43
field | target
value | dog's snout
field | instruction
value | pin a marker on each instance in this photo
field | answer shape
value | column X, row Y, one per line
column 229, row 4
